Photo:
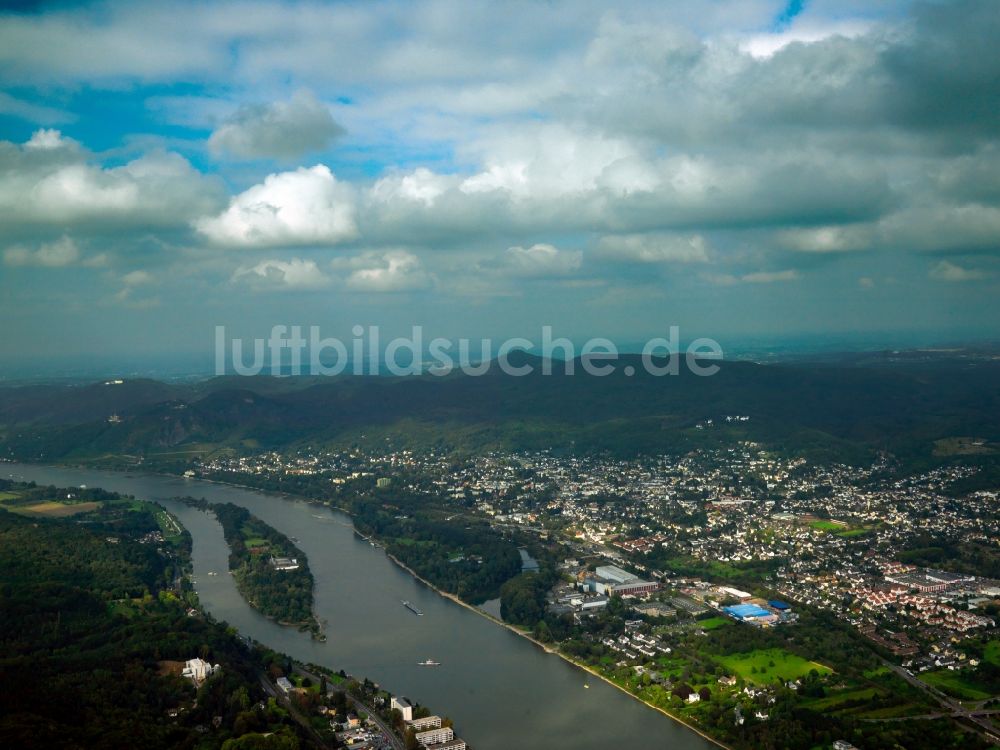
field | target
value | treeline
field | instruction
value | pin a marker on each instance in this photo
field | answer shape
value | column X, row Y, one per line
column 89, row 637
column 286, row 595
column 522, row 599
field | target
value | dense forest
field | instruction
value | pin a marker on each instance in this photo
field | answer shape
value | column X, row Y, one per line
column 92, row 630
column 471, row 561
column 285, row 595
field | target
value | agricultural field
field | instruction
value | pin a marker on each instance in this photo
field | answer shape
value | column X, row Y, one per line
column 16, row 502
column 762, row 666
column 53, row 509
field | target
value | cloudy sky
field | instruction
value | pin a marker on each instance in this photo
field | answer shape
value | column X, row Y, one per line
column 743, row 168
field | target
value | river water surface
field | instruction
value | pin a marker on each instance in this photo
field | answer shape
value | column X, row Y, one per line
column 501, row 690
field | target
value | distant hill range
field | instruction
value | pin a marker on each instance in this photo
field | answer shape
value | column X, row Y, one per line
column 916, row 407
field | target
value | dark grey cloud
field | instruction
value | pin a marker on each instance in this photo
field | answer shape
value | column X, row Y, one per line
column 945, row 73
column 280, row 130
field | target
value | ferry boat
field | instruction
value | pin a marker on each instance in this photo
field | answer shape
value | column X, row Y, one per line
column 428, row 663
column 413, row 609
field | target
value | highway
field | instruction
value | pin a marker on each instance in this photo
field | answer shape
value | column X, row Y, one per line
column 955, row 708
column 301, row 720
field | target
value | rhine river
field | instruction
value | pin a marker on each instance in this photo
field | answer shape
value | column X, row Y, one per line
column 501, row 690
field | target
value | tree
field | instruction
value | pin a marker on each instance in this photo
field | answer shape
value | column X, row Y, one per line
column 542, row 632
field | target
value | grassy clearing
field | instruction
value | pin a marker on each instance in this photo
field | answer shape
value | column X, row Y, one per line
column 297, row 680
column 840, row 699
column 955, row 684
column 871, row 674
column 854, row 532
column 126, row 609
column 712, row 623
column 892, row 712
column 667, row 664
column 963, row 446
column 992, row 652
column 8, row 496
column 756, row 666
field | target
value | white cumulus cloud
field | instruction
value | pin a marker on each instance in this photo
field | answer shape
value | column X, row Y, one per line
column 389, row 271
column 295, row 273
column 655, row 247
column 948, row 271
column 541, row 260
column 62, row 252
column 305, row 207
column 49, row 180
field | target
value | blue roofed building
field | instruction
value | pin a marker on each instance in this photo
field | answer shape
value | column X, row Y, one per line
column 751, row 613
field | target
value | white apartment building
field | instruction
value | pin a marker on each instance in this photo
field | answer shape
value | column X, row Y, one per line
column 428, row 722
column 435, row 736
column 404, row 707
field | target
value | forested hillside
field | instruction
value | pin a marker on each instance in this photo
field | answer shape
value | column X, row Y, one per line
column 841, row 410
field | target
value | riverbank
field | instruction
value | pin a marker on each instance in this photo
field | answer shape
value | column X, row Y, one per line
column 677, row 724
column 547, row 648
